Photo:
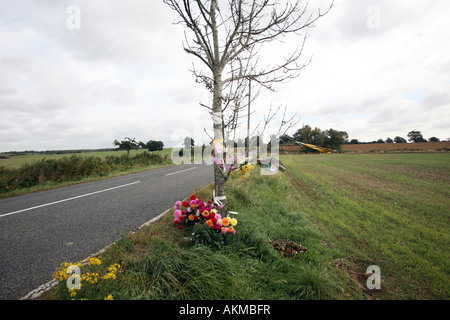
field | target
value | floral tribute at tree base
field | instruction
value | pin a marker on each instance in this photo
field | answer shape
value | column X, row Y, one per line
column 208, row 225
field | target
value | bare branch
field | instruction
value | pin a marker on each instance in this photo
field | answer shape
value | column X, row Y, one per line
column 227, row 36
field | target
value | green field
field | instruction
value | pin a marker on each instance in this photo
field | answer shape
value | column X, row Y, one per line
column 9, row 160
column 387, row 210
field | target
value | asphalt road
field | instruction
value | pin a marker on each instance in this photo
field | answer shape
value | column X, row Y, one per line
column 40, row 231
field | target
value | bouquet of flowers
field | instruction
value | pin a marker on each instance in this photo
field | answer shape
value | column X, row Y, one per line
column 245, row 169
column 196, row 212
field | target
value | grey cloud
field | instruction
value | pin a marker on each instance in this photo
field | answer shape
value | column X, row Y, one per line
column 125, row 67
column 436, row 99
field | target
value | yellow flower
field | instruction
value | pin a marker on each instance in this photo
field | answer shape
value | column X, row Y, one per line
column 73, row 292
column 109, row 297
column 94, row 261
column 110, row 275
column 233, row 222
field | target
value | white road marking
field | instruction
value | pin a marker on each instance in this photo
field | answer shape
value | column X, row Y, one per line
column 169, row 174
column 68, row 199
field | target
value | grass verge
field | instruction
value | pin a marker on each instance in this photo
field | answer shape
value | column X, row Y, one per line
column 157, row 263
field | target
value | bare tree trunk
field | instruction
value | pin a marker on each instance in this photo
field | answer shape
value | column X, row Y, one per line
column 220, row 176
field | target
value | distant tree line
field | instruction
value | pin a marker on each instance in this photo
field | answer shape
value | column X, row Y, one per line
column 129, row 144
column 413, row 136
column 333, row 139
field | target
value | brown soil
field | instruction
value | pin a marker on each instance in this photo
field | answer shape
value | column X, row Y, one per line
column 443, row 146
column 400, row 147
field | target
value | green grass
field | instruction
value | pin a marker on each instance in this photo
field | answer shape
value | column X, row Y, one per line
column 387, row 210
column 156, row 263
column 350, row 211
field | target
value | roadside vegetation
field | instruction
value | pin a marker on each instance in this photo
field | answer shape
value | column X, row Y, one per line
column 159, row 262
column 38, row 172
column 341, row 213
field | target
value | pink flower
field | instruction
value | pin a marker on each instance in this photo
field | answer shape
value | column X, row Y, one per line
column 177, row 213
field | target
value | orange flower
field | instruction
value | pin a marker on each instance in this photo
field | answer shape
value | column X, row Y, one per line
column 205, row 214
column 191, row 217
column 210, row 223
column 225, row 222
column 230, row 229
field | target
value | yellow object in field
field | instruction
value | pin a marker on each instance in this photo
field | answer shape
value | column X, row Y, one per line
column 311, row 146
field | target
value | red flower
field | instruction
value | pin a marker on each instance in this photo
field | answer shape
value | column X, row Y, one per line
column 185, row 204
column 193, row 197
column 180, row 227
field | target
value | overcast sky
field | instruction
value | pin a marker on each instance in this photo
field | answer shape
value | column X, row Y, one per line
column 379, row 69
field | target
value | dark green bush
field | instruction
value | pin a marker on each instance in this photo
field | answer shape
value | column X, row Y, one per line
column 71, row 168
